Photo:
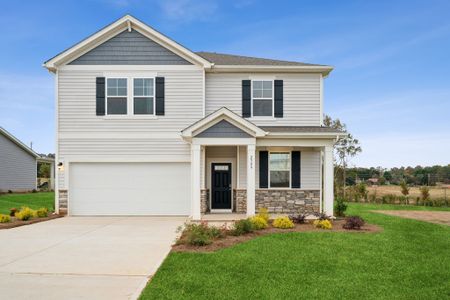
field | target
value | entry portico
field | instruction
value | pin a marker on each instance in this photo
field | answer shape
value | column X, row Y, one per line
column 239, row 167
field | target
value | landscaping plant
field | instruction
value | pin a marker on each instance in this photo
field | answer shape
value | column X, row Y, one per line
column 4, row 218
column 199, row 234
column 298, row 219
column 323, row 224
column 340, row 207
column 258, row 222
column 283, row 223
column 25, row 213
column 242, row 227
column 264, row 213
column 353, row 222
column 42, row 212
column 12, row 212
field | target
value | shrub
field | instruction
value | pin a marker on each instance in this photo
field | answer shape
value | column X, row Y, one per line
column 25, row 213
column 12, row 212
column 322, row 216
column 34, row 191
column 324, row 224
column 42, row 212
column 4, row 218
column 258, row 222
column 283, row 223
column 340, row 207
column 10, row 192
column 200, row 234
column 242, row 227
column 425, row 194
column 298, row 219
column 353, row 222
column 264, row 213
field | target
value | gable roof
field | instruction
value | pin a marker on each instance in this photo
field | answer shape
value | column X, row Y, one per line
column 216, row 117
column 16, row 141
column 127, row 22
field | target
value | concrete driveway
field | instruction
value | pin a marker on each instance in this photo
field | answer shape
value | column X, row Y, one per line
column 84, row 257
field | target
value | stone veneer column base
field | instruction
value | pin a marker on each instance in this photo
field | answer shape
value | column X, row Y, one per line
column 240, row 198
column 290, row 201
column 204, row 201
column 62, row 201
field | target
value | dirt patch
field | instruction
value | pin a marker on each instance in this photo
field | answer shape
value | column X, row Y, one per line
column 437, row 217
column 16, row 223
column 230, row 240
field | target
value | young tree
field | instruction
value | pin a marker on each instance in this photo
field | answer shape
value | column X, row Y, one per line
column 405, row 190
column 345, row 147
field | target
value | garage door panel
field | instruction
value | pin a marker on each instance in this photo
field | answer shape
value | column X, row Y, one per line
column 129, row 189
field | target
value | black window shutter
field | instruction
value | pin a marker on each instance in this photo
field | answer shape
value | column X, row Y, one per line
column 278, row 98
column 295, row 169
column 159, row 96
column 100, row 96
column 263, row 169
column 246, row 98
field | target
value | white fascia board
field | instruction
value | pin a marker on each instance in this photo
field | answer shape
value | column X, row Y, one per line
column 299, row 135
column 324, row 70
column 223, row 141
column 219, row 115
column 114, row 29
column 18, row 142
column 289, row 142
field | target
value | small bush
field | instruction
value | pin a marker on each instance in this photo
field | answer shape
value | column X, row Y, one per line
column 242, row 227
column 324, row 224
column 12, row 212
column 298, row 219
column 10, row 192
column 199, row 234
column 42, row 212
column 322, row 216
column 25, row 213
column 34, row 191
column 283, row 223
column 353, row 222
column 258, row 222
column 264, row 213
column 340, row 207
column 4, row 218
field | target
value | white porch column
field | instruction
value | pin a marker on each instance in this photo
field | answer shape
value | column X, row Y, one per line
column 251, row 180
column 195, row 180
column 52, row 175
column 328, row 181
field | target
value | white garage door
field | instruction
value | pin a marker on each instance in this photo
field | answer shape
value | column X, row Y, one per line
column 129, row 189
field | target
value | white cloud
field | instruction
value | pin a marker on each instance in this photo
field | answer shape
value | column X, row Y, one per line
column 188, row 10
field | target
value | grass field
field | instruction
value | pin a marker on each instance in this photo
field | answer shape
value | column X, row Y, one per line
column 435, row 192
column 32, row 200
column 409, row 259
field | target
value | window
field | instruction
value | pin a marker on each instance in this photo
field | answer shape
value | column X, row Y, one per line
column 262, row 94
column 116, row 93
column 279, row 169
column 143, row 96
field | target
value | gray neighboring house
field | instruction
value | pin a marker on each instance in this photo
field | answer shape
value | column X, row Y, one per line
column 18, row 164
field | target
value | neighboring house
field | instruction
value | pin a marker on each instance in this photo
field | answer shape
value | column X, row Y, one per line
column 145, row 126
column 18, row 164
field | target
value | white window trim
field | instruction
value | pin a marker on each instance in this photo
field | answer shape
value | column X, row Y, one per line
column 107, row 96
column 290, row 171
column 252, row 99
column 153, row 96
column 130, row 95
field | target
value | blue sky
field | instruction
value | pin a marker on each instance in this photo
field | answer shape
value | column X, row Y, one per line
column 391, row 83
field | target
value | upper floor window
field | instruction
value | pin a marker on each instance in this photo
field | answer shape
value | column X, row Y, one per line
column 140, row 102
column 143, row 96
column 262, row 98
column 279, row 169
column 116, row 96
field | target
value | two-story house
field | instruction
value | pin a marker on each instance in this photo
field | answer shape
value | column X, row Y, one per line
column 145, row 126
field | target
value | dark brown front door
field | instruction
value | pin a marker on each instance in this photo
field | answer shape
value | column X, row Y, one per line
column 221, row 186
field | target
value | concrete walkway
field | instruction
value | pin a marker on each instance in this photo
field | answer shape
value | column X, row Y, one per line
column 84, row 257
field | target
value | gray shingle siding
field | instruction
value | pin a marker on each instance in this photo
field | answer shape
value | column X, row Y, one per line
column 17, row 167
column 130, row 48
column 223, row 129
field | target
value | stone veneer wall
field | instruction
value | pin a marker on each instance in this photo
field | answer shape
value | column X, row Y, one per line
column 288, row 201
column 204, row 201
column 62, row 201
column 240, row 201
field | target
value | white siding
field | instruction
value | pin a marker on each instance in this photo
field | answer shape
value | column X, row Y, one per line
column 301, row 97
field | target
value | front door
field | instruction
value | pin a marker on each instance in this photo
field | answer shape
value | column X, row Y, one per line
column 221, row 186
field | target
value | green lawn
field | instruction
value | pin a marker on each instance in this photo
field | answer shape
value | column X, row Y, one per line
column 408, row 260
column 32, row 200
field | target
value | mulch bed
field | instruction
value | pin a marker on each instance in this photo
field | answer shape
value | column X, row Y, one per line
column 230, row 240
column 16, row 223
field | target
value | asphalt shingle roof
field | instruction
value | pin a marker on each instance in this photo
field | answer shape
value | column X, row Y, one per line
column 228, row 59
